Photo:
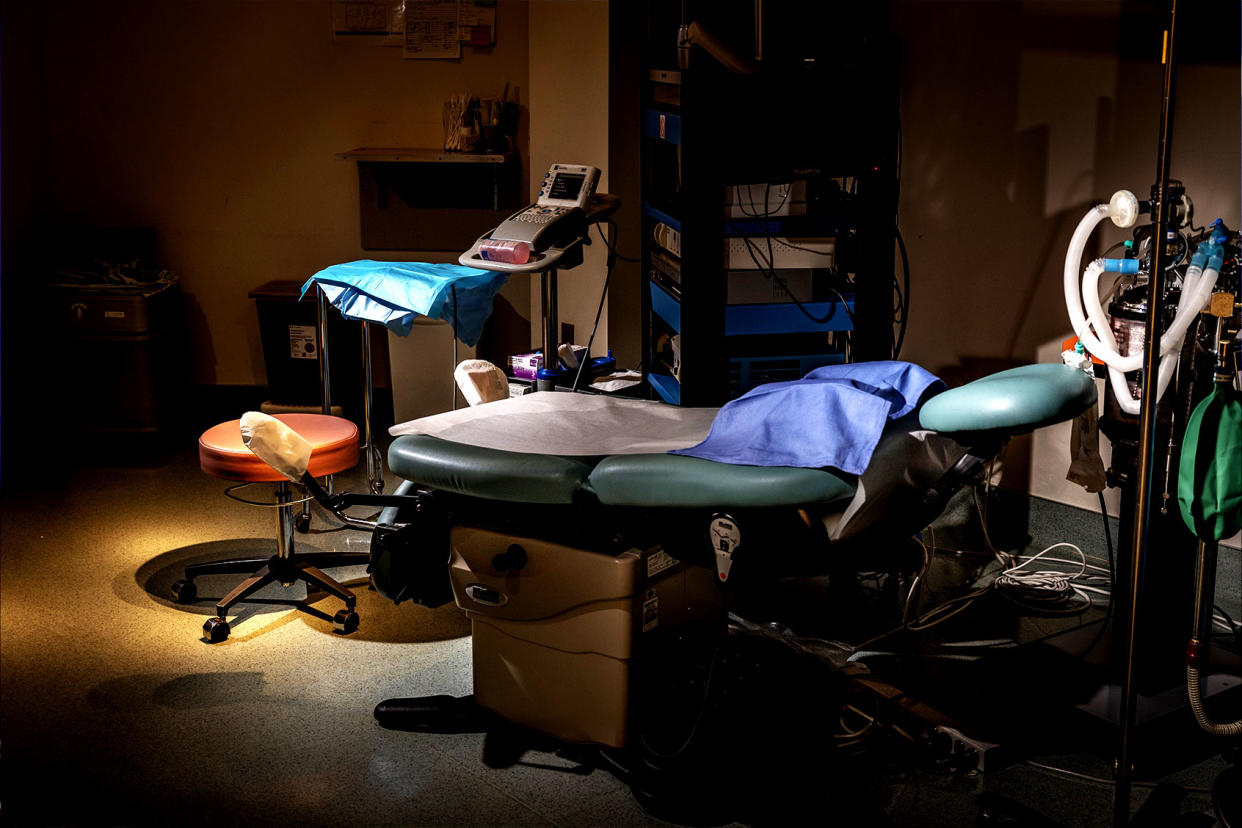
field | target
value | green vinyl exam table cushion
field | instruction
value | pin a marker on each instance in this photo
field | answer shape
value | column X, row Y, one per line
column 655, row 480
column 1010, row 402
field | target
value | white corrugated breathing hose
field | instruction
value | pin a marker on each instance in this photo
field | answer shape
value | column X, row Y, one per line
column 1100, row 342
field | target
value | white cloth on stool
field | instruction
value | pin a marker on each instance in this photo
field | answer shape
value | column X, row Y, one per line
column 276, row 444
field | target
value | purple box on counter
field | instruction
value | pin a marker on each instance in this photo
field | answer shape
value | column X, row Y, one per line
column 526, row 366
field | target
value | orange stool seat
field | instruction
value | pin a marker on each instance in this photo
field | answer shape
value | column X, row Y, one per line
column 334, row 448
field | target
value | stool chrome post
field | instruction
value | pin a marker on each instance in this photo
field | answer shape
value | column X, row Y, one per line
column 284, row 520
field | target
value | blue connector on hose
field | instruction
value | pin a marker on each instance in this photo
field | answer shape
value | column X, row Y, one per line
column 1200, row 259
column 1216, row 258
column 1208, row 256
column 1128, row 266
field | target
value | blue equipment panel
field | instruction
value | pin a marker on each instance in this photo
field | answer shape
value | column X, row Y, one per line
column 661, row 216
column 667, row 387
column 747, row 372
column 748, row 320
column 666, row 307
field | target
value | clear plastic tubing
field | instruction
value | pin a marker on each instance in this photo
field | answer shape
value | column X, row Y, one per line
column 503, row 250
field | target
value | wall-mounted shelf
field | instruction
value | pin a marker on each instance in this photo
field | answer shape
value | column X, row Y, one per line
column 412, row 198
column 423, row 156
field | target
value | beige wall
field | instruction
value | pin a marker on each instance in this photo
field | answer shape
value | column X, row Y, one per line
column 1016, row 121
column 217, row 122
column 569, row 124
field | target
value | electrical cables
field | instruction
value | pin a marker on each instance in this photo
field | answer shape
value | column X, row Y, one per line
column 613, row 255
column 901, row 312
column 1048, row 592
column 768, row 268
column 1051, row 592
column 1103, row 781
column 770, row 272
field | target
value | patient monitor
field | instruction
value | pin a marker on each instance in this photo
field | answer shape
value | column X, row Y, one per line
column 557, row 213
column 543, row 238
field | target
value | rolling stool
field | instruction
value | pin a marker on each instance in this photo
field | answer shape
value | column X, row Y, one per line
column 222, row 454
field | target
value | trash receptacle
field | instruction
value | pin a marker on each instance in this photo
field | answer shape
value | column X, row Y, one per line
column 122, row 357
column 288, row 330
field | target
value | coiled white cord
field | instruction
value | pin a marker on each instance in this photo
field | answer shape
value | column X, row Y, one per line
column 1048, row 589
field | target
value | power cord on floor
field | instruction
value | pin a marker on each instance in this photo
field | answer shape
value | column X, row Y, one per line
column 613, row 255
column 1048, row 592
column 1099, row 780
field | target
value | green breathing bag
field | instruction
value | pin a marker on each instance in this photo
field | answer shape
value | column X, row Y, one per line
column 1209, row 490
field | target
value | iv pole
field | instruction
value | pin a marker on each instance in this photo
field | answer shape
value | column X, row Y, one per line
column 1124, row 767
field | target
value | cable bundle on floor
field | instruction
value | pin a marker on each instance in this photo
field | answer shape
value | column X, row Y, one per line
column 1050, row 590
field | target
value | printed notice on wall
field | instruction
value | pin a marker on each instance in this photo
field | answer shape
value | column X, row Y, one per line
column 368, row 22
column 431, row 29
column 476, row 23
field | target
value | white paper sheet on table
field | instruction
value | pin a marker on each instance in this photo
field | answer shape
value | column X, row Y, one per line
column 552, row 422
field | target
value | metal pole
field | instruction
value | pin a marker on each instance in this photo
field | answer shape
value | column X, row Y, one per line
column 325, row 372
column 1205, row 590
column 1147, row 427
column 550, row 334
column 374, row 470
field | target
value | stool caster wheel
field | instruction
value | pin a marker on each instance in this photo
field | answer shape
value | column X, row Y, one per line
column 345, row 621
column 302, row 523
column 216, row 630
column 184, row 592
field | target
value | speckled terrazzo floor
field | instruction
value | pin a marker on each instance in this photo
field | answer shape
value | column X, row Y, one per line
column 114, row 711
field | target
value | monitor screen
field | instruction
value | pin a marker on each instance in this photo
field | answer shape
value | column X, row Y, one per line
column 566, row 186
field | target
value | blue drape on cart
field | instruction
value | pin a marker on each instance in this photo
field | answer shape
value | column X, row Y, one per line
column 395, row 293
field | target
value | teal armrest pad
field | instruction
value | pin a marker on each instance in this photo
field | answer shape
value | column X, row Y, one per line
column 1011, row 402
column 674, row 481
column 487, row 473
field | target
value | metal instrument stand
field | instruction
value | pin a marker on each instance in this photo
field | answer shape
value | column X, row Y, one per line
column 546, row 263
column 375, row 469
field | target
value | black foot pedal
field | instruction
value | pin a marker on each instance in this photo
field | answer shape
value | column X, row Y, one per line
column 432, row 714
